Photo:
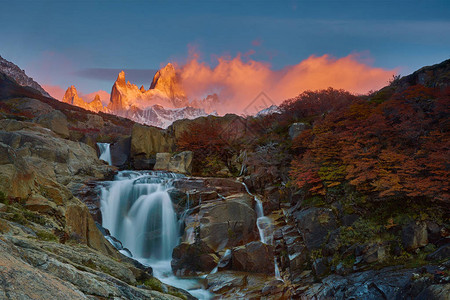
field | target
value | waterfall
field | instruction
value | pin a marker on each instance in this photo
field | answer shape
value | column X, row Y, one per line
column 264, row 224
column 265, row 227
column 105, row 152
column 137, row 209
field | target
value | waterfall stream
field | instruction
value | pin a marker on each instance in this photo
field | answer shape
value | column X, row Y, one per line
column 265, row 227
column 137, row 209
column 105, row 152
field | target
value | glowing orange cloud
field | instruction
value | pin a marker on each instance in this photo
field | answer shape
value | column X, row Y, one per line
column 54, row 90
column 238, row 81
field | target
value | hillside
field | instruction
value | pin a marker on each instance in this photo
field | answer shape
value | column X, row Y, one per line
column 345, row 196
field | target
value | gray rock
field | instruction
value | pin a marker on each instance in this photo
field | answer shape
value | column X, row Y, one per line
column 55, row 121
column 414, row 235
column 440, row 254
column 295, row 129
column 320, row 266
column 254, row 257
column 314, row 223
column 178, row 163
column 435, row 292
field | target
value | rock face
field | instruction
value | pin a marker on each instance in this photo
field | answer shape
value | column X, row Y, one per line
column 254, row 257
column 14, row 72
column 222, row 223
column 120, row 152
column 55, row 121
column 146, row 142
column 295, row 129
column 178, row 163
column 167, row 81
column 71, row 97
column 314, row 224
column 165, row 90
column 193, row 259
column 50, row 247
column 414, row 236
column 387, row 283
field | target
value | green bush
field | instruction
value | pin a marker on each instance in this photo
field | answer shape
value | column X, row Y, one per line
column 46, row 236
column 154, row 284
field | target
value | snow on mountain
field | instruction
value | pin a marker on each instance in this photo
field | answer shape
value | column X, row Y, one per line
column 19, row 76
column 273, row 109
column 159, row 116
column 162, row 104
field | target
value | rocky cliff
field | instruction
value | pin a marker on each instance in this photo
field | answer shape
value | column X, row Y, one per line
column 71, row 97
column 13, row 71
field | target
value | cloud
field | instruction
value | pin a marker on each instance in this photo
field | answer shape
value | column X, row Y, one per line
column 239, row 80
column 55, row 91
column 257, row 42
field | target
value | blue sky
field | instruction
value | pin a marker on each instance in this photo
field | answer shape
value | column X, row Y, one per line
column 86, row 42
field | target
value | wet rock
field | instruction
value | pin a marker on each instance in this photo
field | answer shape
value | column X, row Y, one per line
column 189, row 259
column 120, row 152
column 146, row 142
column 254, row 257
column 178, row 163
column 414, row 235
column 228, row 222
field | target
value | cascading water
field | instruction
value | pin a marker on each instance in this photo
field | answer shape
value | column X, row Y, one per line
column 137, row 209
column 105, row 152
column 265, row 227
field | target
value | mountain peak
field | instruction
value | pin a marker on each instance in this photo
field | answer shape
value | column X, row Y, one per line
column 18, row 75
column 166, row 80
column 71, row 97
column 121, row 78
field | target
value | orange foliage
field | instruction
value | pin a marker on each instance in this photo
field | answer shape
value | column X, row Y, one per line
column 398, row 148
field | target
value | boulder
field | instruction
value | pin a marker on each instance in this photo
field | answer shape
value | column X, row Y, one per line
column 148, row 141
column 178, row 163
column 17, row 178
column 191, row 259
column 29, row 105
column 320, row 266
column 120, row 152
column 55, row 121
column 414, row 235
column 225, row 223
column 93, row 121
column 295, row 129
column 442, row 253
column 314, row 224
column 254, row 257
column 375, row 252
column 435, row 292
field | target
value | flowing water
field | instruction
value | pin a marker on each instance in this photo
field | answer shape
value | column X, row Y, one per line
column 265, row 227
column 137, row 209
column 105, row 152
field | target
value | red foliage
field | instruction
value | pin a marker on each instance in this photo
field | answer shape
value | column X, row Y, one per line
column 398, row 148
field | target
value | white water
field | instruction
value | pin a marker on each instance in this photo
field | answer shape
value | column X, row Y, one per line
column 105, row 152
column 138, row 211
column 265, row 227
